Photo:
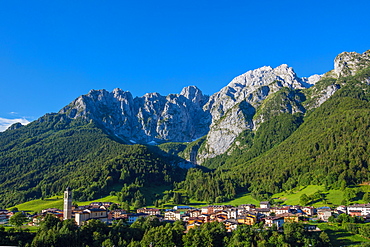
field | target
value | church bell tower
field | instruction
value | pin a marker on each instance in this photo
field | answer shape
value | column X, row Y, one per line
column 67, row 208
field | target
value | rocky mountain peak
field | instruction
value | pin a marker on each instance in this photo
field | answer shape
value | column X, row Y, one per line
column 253, row 87
column 192, row 93
column 119, row 93
column 152, row 118
column 310, row 81
column 288, row 76
column 267, row 75
column 348, row 63
column 234, row 106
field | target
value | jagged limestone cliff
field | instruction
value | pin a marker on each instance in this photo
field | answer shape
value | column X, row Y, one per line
column 233, row 108
column 152, row 118
column 348, row 63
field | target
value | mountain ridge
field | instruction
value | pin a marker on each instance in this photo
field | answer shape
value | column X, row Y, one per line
column 189, row 115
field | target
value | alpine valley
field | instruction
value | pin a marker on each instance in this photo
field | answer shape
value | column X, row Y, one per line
column 265, row 132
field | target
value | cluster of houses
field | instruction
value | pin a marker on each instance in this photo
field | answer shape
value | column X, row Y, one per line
column 231, row 216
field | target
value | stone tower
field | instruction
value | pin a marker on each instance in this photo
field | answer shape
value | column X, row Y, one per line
column 67, row 208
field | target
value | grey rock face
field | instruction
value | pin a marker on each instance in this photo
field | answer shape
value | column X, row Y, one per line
column 253, row 86
column 321, row 96
column 348, row 63
column 233, row 107
column 224, row 131
column 150, row 118
column 310, row 81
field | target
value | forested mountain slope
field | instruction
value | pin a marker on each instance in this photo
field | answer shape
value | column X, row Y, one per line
column 46, row 156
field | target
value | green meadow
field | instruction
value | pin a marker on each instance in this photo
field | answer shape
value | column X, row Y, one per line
column 57, row 202
column 242, row 199
column 38, row 204
column 331, row 198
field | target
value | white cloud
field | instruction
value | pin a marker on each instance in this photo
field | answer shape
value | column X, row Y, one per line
column 5, row 122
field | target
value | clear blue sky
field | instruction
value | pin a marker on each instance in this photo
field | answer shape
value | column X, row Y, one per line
column 51, row 52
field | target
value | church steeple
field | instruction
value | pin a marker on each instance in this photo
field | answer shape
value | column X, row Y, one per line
column 67, row 208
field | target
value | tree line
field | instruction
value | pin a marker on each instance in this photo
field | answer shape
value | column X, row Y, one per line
column 151, row 232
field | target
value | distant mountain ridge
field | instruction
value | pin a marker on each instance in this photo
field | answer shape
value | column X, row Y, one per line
column 221, row 117
column 151, row 118
column 94, row 144
column 185, row 117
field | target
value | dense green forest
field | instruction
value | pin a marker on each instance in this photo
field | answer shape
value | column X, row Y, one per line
column 152, row 232
column 45, row 157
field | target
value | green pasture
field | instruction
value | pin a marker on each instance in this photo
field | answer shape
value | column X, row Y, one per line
column 56, row 202
column 331, row 198
column 38, row 204
column 292, row 197
column 242, row 199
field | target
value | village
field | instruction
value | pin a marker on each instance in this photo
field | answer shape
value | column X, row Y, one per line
column 231, row 216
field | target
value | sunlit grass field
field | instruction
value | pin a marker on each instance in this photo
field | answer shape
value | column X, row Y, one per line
column 292, row 197
column 332, row 198
column 56, row 202
column 243, row 199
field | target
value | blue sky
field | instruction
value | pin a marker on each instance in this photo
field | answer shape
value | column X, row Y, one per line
column 51, row 52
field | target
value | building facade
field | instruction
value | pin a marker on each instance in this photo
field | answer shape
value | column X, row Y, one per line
column 67, row 206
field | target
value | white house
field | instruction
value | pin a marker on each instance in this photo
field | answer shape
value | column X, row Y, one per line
column 88, row 214
column 265, row 204
column 232, row 213
column 274, row 220
column 364, row 208
column 172, row 215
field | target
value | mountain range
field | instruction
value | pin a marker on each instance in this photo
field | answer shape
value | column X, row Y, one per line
column 261, row 128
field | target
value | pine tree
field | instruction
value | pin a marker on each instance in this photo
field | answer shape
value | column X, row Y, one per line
column 365, row 198
column 304, row 199
column 177, row 198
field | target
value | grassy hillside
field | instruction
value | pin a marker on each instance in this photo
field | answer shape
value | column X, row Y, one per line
column 57, row 202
